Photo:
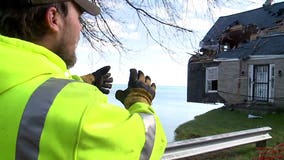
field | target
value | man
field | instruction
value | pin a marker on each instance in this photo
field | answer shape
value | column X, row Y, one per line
column 47, row 115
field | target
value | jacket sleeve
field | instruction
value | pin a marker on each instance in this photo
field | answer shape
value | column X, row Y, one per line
column 112, row 132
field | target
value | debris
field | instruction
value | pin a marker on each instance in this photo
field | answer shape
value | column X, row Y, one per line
column 250, row 116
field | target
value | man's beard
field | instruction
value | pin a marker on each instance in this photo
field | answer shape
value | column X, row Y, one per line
column 69, row 59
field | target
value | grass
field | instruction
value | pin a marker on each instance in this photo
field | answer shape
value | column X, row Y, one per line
column 224, row 120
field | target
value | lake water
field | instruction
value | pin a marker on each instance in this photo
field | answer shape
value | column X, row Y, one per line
column 171, row 106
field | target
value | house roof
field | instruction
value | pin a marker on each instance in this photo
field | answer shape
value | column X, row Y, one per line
column 262, row 17
column 268, row 45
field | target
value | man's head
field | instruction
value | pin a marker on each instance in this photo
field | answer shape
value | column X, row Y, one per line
column 54, row 24
column 86, row 5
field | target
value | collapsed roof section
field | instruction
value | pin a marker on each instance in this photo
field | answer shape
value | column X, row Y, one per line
column 265, row 45
column 234, row 31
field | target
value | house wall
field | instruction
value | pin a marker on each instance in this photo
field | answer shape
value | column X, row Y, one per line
column 196, row 83
column 279, row 80
column 231, row 84
column 279, row 83
column 233, row 80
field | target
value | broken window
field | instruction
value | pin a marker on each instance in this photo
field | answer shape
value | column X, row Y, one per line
column 211, row 79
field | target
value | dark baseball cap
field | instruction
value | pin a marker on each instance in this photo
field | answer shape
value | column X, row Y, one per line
column 86, row 5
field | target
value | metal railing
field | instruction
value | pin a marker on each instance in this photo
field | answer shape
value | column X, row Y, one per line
column 203, row 145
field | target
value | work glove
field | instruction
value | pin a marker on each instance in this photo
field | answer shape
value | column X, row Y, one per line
column 101, row 79
column 139, row 89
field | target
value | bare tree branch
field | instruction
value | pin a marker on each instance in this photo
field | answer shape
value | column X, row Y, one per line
column 158, row 26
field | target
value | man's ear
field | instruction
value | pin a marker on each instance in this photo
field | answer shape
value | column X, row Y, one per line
column 53, row 19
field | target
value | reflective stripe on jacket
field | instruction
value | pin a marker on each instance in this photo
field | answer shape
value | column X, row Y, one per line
column 45, row 115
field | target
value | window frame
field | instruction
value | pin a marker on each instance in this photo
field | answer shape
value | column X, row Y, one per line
column 211, row 78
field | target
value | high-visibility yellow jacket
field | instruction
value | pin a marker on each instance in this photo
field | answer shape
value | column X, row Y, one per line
column 47, row 115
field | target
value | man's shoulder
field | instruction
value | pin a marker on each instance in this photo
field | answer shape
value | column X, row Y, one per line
column 80, row 89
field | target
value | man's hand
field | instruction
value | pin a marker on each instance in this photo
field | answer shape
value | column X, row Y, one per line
column 100, row 78
column 140, row 89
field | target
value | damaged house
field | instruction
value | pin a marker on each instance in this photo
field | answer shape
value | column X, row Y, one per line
column 241, row 60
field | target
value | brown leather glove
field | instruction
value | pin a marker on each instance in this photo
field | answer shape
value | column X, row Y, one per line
column 139, row 89
column 100, row 78
column 89, row 78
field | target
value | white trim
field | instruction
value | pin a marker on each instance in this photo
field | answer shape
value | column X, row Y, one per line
column 257, row 57
column 250, row 82
column 252, row 57
column 212, row 91
column 271, row 82
column 225, row 59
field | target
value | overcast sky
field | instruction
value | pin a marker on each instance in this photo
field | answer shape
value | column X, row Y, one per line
column 163, row 68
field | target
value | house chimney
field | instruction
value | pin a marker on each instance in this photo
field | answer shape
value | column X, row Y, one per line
column 267, row 3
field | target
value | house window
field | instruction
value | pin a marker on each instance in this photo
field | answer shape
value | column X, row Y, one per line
column 211, row 79
column 225, row 48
